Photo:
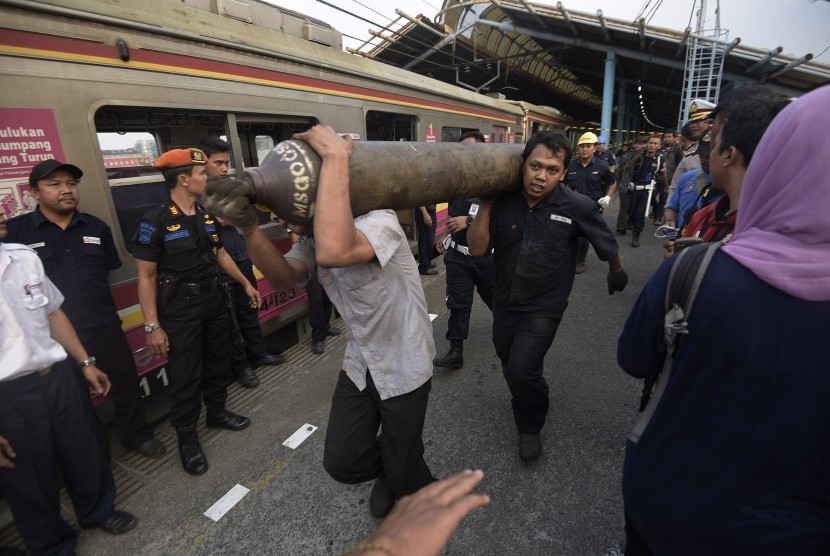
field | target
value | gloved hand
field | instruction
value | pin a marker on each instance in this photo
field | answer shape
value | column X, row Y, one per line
column 604, row 202
column 230, row 199
column 617, row 280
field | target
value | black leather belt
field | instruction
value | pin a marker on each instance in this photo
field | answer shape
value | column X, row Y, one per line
column 199, row 287
column 28, row 378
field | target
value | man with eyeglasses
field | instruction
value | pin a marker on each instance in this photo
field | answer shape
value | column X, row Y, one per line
column 78, row 253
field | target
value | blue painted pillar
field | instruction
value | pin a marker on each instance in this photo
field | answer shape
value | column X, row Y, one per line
column 608, row 93
column 622, row 112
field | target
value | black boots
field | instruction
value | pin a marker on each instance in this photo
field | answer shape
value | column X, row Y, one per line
column 190, row 449
column 454, row 358
column 635, row 241
column 221, row 418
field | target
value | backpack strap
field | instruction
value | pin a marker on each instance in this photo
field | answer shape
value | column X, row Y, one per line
column 685, row 278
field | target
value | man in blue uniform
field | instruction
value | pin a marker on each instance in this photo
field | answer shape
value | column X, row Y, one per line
column 244, row 317
column 592, row 177
column 534, row 232
column 78, row 253
column 465, row 273
column 178, row 254
column 47, row 426
column 604, row 154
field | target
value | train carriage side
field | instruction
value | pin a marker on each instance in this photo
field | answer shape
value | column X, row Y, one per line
column 67, row 85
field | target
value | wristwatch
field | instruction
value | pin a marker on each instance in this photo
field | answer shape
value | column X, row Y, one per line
column 151, row 326
column 87, row 362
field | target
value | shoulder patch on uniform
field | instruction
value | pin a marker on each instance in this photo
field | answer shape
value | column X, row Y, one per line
column 559, row 218
column 145, row 232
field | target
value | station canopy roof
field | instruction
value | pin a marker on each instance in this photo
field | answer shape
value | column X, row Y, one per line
column 552, row 56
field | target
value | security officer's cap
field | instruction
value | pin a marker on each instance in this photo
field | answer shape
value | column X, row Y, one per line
column 587, row 137
column 700, row 109
column 43, row 169
column 179, row 158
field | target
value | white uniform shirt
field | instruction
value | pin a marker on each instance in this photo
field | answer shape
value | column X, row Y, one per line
column 27, row 297
column 383, row 305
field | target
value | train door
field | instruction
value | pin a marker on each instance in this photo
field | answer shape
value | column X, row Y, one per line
column 392, row 126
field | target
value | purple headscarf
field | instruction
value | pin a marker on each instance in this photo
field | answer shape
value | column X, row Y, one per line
column 783, row 229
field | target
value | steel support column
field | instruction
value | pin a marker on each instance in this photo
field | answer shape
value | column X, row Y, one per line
column 622, row 110
column 608, row 94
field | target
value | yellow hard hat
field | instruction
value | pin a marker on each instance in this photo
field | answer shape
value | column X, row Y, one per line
column 587, row 137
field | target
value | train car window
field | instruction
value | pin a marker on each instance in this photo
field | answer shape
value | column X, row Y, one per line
column 451, row 134
column 257, row 136
column 131, row 138
column 389, row 126
column 499, row 134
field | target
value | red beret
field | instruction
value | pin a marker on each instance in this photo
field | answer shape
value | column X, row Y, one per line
column 179, row 158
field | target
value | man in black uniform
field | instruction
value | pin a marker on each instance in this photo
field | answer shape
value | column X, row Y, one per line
column 464, row 273
column 425, row 225
column 605, row 155
column 625, row 164
column 648, row 174
column 534, row 233
column 592, row 177
column 178, row 254
column 78, row 253
column 246, row 323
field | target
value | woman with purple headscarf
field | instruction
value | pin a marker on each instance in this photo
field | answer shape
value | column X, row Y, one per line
column 736, row 458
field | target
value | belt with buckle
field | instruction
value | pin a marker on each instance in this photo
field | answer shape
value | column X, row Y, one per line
column 29, row 378
column 463, row 249
column 201, row 286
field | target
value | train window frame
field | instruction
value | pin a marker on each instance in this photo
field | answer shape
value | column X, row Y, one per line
column 371, row 132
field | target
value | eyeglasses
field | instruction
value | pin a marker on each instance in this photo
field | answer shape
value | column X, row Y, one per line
column 666, row 232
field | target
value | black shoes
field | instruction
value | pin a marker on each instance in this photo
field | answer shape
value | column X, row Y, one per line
column 270, row 359
column 117, row 524
column 635, row 241
column 318, row 347
column 621, row 232
column 333, row 331
column 224, row 419
column 530, row 446
column 152, row 449
column 454, row 359
column 428, row 271
column 247, row 378
column 190, row 450
column 382, row 498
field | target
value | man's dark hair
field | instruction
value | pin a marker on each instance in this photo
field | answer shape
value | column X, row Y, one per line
column 554, row 140
column 477, row 135
column 746, row 114
column 171, row 175
column 212, row 145
column 671, row 130
column 642, row 139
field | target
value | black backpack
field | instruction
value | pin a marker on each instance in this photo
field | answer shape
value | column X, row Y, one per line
column 685, row 277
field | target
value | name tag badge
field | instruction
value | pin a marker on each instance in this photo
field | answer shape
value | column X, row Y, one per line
column 473, row 210
column 561, row 219
column 36, row 245
column 93, row 240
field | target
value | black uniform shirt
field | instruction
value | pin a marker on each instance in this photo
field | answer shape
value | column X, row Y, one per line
column 591, row 180
column 536, row 248
column 234, row 243
column 77, row 259
column 183, row 246
column 464, row 207
column 648, row 169
column 607, row 157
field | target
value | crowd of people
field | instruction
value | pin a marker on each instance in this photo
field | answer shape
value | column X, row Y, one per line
column 730, row 458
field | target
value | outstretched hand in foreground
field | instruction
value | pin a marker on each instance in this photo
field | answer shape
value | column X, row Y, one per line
column 422, row 523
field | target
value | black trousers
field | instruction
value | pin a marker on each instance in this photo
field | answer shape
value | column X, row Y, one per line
column 465, row 274
column 637, row 216
column 354, row 453
column 245, row 331
column 426, row 238
column 199, row 361
column 50, row 424
column 319, row 309
column 522, row 340
column 110, row 347
column 625, row 209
